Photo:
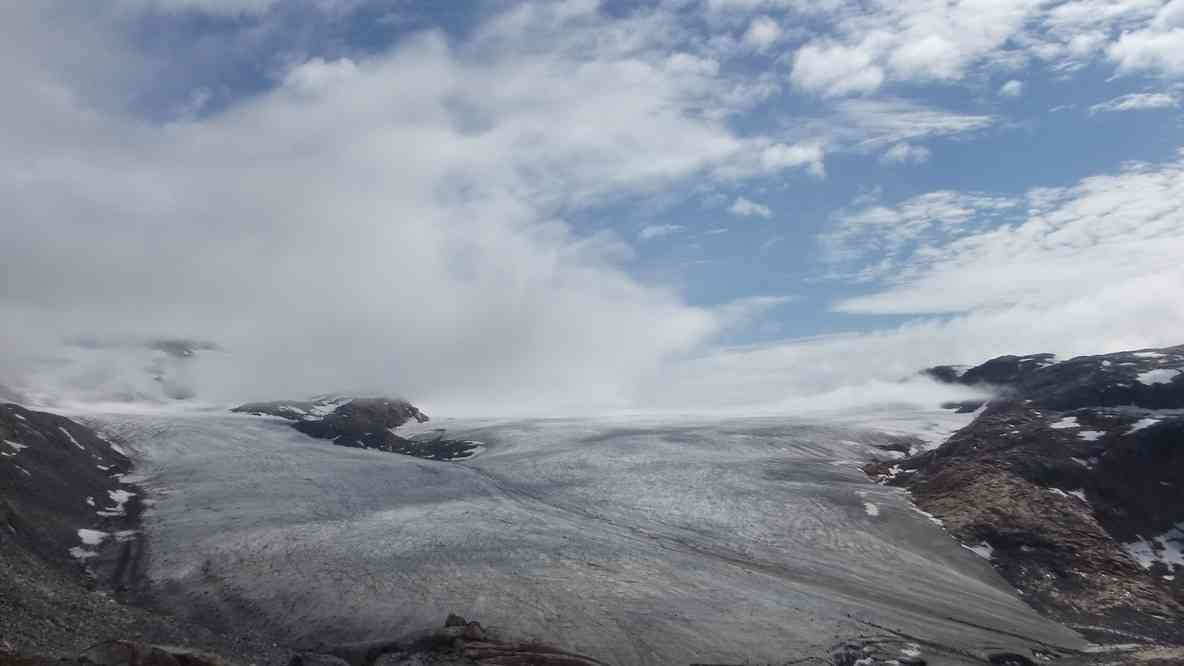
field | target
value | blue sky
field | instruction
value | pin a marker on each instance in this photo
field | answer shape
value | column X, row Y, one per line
column 593, row 198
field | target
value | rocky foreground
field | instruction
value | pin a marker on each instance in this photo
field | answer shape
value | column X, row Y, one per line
column 1071, row 482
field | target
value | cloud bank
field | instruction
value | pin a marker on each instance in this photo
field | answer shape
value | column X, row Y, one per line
column 401, row 221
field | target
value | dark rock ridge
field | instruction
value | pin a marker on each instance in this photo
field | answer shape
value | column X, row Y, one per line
column 58, row 477
column 364, row 423
column 71, row 552
column 1071, row 482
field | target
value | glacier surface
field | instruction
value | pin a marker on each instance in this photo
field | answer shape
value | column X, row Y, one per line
column 633, row 540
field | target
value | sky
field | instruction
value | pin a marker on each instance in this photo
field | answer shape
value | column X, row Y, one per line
column 575, row 205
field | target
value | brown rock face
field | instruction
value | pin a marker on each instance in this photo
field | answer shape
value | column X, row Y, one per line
column 1077, row 469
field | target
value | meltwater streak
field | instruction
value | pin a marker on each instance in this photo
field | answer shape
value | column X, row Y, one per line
column 631, row 540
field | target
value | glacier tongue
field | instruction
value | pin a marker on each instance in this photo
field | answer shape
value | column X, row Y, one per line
column 636, row 541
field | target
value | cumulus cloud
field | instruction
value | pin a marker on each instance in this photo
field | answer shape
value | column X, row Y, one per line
column 834, row 69
column 905, row 153
column 1135, row 102
column 398, row 221
column 1156, row 51
column 808, row 155
column 745, row 208
column 1012, row 88
column 762, row 33
column 388, row 222
column 914, row 41
column 864, row 46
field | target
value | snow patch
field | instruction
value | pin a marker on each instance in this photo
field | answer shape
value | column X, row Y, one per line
column 91, row 537
column 871, row 509
column 120, row 497
column 1157, row 376
column 1147, row 355
column 932, row 518
column 1090, row 435
column 1065, row 423
column 16, row 445
column 1167, row 548
column 71, row 438
column 82, row 553
column 1079, row 494
column 24, row 471
column 983, row 550
column 1141, row 424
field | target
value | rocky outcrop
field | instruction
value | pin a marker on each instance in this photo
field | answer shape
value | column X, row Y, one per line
column 364, row 423
column 70, row 553
column 61, row 486
column 1072, row 483
column 459, row 643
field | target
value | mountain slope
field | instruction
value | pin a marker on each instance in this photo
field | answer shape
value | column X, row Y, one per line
column 1072, row 483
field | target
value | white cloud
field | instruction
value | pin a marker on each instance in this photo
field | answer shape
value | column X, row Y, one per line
column 867, row 45
column 1153, row 51
column 808, row 155
column 1012, row 88
column 1076, row 270
column 316, row 76
column 1134, row 102
column 905, row 153
column 762, row 33
column 1126, row 228
column 891, row 234
column 395, row 220
column 746, row 208
column 833, row 69
column 911, row 41
column 387, row 222
column 653, row 231
column 1171, row 15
